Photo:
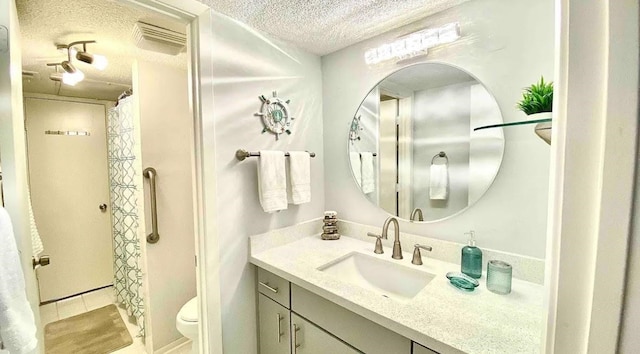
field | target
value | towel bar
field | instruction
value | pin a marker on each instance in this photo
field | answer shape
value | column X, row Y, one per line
column 242, row 154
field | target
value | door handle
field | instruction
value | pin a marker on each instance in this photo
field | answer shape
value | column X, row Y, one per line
column 295, row 338
column 151, row 174
column 42, row 261
column 280, row 333
column 103, row 207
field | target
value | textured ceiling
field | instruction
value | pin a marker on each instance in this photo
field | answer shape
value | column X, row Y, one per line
column 324, row 26
column 319, row 26
column 43, row 23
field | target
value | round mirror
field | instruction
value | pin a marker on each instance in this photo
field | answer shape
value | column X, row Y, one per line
column 412, row 145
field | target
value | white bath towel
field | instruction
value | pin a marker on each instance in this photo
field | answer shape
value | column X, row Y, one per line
column 272, row 181
column 300, row 176
column 17, row 325
column 36, row 241
column 439, row 182
column 356, row 167
column 368, row 175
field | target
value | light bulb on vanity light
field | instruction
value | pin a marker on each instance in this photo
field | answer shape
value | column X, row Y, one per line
column 449, row 33
column 72, row 79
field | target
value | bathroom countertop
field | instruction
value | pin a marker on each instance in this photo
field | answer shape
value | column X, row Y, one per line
column 440, row 317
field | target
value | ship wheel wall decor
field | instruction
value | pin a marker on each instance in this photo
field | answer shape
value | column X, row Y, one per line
column 356, row 127
column 275, row 115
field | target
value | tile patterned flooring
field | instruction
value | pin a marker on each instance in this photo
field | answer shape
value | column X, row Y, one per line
column 90, row 301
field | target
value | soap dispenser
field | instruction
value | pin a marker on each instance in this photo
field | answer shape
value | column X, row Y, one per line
column 471, row 264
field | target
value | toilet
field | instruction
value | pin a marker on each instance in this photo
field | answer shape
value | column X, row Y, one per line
column 187, row 322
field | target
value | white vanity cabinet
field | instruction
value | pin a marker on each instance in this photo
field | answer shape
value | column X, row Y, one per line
column 293, row 320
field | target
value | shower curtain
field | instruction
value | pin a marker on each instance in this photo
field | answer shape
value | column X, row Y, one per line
column 125, row 191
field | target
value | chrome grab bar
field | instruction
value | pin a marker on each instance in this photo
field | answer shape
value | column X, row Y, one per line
column 151, row 174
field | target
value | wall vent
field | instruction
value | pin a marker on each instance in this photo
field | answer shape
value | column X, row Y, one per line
column 159, row 39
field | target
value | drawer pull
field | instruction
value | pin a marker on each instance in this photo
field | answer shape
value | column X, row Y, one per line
column 295, row 338
column 280, row 333
column 266, row 285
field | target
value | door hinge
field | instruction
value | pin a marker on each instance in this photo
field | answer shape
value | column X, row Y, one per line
column 196, row 259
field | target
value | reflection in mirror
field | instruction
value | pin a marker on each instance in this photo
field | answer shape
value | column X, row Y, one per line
column 1, row 190
column 416, row 148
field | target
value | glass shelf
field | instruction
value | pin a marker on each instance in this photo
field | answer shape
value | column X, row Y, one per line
column 524, row 122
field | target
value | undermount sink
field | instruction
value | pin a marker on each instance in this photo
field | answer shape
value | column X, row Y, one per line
column 390, row 279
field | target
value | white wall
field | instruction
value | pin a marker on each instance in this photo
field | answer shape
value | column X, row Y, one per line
column 166, row 133
column 507, row 46
column 248, row 64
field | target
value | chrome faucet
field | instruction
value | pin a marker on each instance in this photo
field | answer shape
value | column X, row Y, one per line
column 417, row 212
column 397, row 250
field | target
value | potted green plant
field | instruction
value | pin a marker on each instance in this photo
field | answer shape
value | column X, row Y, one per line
column 537, row 103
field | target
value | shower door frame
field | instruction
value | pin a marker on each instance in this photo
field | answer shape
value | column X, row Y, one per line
column 198, row 18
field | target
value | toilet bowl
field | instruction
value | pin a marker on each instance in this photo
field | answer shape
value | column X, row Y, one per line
column 187, row 321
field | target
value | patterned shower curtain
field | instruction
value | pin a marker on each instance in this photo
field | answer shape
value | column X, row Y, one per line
column 124, row 206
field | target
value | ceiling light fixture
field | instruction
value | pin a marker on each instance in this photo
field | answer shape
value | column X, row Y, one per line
column 71, row 75
column 100, row 62
column 414, row 44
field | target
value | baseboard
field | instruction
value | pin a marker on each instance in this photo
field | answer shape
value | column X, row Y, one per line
column 174, row 346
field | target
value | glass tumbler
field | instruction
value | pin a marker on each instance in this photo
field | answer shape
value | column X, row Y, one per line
column 499, row 277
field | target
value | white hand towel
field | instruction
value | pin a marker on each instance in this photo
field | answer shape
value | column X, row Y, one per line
column 17, row 324
column 272, row 181
column 36, row 241
column 439, row 182
column 368, row 175
column 300, row 176
column 356, row 167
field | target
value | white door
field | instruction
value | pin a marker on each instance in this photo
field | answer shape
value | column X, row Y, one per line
column 69, row 180
column 12, row 145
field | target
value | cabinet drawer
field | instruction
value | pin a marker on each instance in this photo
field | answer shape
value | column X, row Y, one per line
column 274, row 323
column 359, row 332
column 273, row 287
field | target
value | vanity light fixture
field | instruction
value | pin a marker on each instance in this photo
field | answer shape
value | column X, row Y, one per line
column 417, row 43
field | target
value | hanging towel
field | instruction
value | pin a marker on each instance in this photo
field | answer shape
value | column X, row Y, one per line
column 356, row 167
column 439, row 182
column 300, row 176
column 17, row 324
column 368, row 176
column 272, row 181
column 36, row 241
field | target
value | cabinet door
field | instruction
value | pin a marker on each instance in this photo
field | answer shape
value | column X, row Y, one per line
column 309, row 339
column 418, row 349
column 274, row 322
